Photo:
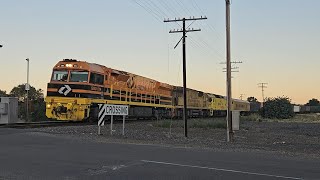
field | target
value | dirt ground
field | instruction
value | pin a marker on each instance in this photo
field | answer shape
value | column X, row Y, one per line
column 286, row 137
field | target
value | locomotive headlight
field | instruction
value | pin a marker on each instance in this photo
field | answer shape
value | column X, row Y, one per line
column 68, row 65
column 48, row 106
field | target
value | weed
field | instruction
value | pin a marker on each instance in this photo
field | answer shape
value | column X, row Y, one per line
column 251, row 117
column 193, row 123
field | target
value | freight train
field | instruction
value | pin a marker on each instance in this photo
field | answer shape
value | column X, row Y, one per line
column 77, row 87
column 303, row 109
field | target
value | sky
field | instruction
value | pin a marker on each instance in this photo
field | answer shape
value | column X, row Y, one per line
column 277, row 41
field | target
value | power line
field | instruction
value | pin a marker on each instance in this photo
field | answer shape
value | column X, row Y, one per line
column 204, row 49
column 219, row 35
column 185, row 8
column 156, row 16
column 211, row 27
column 158, row 12
column 168, row 8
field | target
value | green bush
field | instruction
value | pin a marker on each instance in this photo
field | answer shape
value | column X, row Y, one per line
column 279, row 108
column 39, row 111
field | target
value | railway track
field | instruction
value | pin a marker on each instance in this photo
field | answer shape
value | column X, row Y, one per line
column 26, row 125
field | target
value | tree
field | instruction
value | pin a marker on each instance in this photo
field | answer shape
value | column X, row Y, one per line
column 3, row 93
column 36, row 103
column 20, row 92
column 279, row 107
column 313, row 102
column 252, row 99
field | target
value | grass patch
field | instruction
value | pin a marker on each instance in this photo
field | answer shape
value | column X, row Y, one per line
column 303, row 118
column 207, row 123
column 162, row 123
column 252, row 117
column 192, row 123
column 299, row 118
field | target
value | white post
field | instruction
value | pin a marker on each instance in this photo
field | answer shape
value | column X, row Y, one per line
column 99, row 130
column 124, row 118
column 111, row 123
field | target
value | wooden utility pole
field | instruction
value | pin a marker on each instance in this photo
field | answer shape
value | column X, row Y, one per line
column 27, row 88
column 262, row 86
column 241, row 96
column 184, row 31
column 229, row 97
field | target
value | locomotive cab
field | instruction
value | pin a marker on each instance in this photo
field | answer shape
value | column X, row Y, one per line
column 72, row 85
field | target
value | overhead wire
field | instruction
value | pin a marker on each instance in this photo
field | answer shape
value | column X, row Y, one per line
column 168, row 8
column 197, row 37
column 204, row 23
column 164, row 9
column 156, row 8
column 153, row 7
column 154, row 15
column 219, row 35
column 197, row 8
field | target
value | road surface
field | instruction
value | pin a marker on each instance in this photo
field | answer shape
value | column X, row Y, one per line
column 28, row 154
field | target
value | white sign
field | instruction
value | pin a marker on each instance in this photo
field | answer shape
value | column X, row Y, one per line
column 27, row 87
column 110, row 109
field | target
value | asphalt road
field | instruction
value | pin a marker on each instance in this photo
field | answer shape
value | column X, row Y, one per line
column 28, row 154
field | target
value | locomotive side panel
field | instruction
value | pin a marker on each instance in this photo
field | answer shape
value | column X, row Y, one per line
column 76, row 87
column 195, row 99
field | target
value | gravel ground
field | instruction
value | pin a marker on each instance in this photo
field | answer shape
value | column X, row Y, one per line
column 289, row 139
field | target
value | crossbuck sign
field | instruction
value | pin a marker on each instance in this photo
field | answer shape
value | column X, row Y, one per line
column 110, row 109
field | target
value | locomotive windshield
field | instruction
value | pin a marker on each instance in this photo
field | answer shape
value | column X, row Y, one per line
column 60, row 76
column 79, row 76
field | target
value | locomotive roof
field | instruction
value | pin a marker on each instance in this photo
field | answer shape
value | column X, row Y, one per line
column 101, row 68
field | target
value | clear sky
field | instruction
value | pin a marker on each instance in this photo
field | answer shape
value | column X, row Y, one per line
column 278, row 42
